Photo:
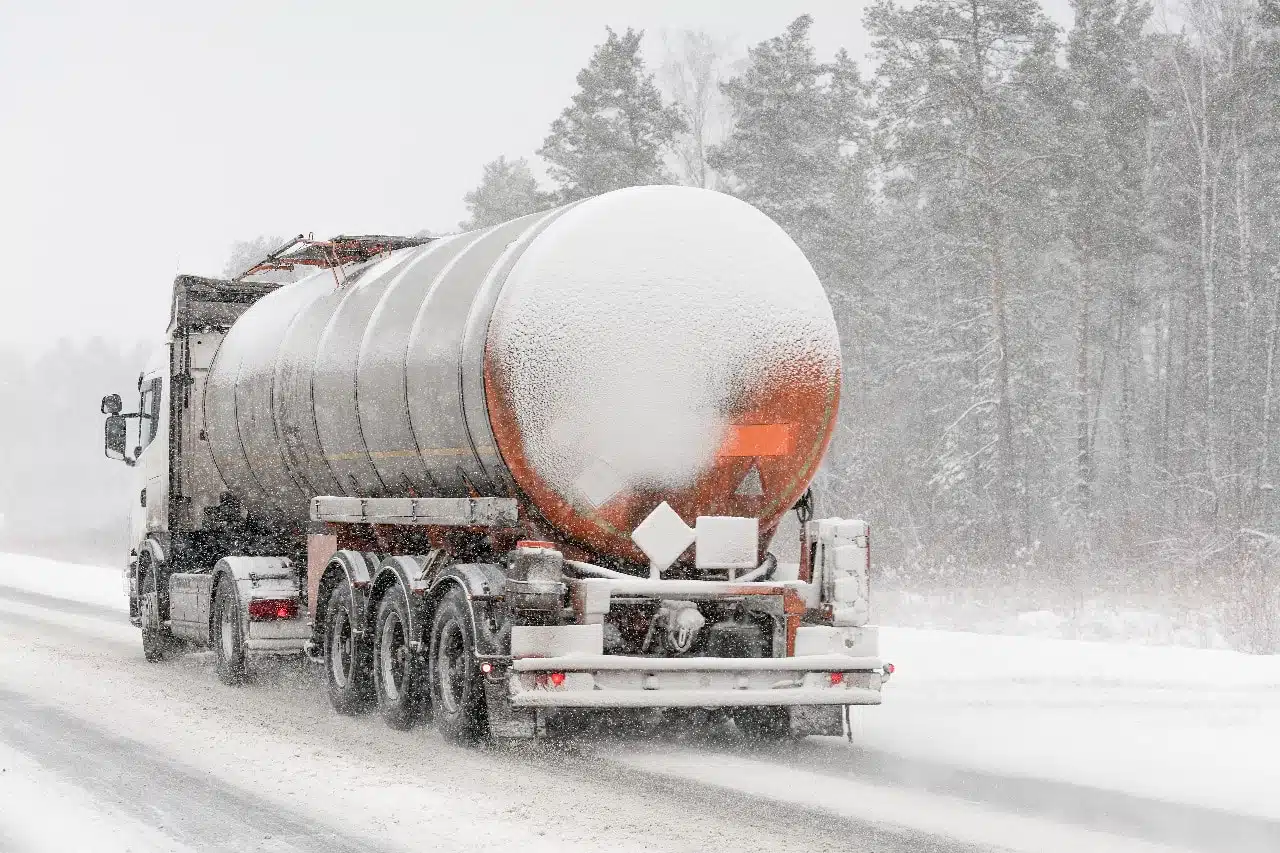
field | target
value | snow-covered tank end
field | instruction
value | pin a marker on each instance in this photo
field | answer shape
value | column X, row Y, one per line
column 661, row 343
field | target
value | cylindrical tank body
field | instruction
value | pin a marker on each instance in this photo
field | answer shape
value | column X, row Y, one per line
column 650, row 344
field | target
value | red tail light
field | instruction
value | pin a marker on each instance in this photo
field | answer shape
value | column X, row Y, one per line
column 269, row 609
column 557, row 679
column 836, row 678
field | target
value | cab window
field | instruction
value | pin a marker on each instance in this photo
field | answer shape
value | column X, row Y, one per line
column 149, row 408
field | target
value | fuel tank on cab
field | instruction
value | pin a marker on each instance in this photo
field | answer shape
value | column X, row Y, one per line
column 650, row 344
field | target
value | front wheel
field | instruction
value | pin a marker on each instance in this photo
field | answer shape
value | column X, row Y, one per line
column 345, row 660
column 457, row 691
column 396, row 677
column 228, row 636
column 157, row 642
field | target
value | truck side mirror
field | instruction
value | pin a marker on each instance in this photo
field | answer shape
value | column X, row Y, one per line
column 115, row 437
column 111, row 404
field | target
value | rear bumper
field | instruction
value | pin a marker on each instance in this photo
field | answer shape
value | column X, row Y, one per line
column 609, row 681
column 699, row 698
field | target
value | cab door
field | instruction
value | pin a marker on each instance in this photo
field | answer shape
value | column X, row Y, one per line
column 153, row 454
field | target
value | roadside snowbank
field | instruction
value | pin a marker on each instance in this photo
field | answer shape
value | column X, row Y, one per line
column 74, row 582
column 1185, row 725
column 1094, row 619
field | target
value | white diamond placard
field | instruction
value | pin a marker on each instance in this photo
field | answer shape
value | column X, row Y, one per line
column 663, row 536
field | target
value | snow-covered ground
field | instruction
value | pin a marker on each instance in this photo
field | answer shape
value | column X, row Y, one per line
column 991, row 741
column 96, row 585
column 1146, row 620
column 1192, row 725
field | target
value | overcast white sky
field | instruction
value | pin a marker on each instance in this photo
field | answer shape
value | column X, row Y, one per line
column 141, row 139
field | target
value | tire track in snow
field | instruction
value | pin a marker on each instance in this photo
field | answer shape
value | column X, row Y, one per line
column 188, row 807
column 1185, row 826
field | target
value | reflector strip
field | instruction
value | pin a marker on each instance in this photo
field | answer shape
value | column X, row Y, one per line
column 757, row 440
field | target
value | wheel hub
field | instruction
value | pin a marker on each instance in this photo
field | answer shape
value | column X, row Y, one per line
column 341, row 648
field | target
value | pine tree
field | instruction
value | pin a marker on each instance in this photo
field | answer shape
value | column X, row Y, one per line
column 615, row 130
column 507, row 190
column 795, row 119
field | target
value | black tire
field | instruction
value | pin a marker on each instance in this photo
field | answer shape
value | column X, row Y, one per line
column 346, row 658
column 157, row 643
column 457, row 691
column 397, row 672
column 767, row 724
column 227, row 636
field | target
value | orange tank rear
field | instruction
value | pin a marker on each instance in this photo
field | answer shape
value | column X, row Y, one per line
column 703, row 370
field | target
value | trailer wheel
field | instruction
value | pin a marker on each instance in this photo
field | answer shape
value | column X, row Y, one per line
column 396, row 674
column 457, row 693
column 345, row 662
column 767, row 724
column 228, row 636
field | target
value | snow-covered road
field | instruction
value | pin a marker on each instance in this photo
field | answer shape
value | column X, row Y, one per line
column 984, row 743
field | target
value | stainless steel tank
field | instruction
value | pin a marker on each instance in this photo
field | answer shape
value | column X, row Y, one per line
column 656, row 343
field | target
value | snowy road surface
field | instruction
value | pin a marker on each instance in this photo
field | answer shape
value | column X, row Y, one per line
column 984, row 743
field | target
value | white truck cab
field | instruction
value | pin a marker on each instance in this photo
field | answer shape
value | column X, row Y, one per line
column 150, row 451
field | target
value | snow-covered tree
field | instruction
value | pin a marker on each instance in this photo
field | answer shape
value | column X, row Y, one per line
column 507, row 190
column 616, row 129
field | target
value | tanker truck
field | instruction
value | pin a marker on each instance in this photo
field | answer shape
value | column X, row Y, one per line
column 491, row 477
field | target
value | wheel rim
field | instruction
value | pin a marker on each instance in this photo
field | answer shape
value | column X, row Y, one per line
column 451, row 664
column 393, row 654
column 341, row 647
column 227, row 634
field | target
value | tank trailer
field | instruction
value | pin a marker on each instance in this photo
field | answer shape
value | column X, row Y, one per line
column 489, row 477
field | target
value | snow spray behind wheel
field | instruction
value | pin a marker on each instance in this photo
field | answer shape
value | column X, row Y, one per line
column 654, row 343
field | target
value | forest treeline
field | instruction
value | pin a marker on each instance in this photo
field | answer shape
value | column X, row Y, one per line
column 1053, row 256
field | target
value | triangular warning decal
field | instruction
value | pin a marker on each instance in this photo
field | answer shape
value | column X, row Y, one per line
column 751, row 486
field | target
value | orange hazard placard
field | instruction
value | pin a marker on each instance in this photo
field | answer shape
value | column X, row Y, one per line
column 757, row 440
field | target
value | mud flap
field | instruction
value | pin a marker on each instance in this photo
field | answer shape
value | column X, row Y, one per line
column 817, row 720
column 506, row 722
